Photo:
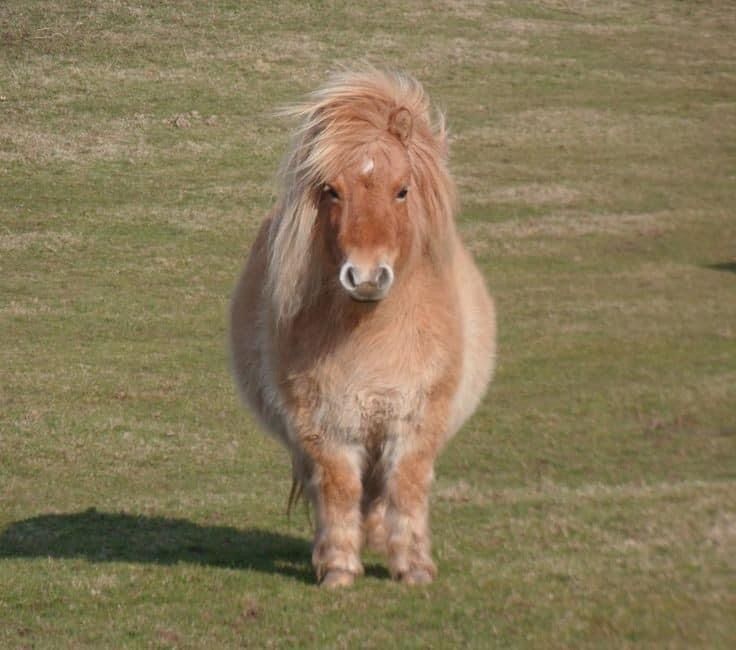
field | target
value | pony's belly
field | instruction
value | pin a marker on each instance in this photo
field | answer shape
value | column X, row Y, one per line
column 368, row 416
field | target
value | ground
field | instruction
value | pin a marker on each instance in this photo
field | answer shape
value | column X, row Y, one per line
column 591, row 501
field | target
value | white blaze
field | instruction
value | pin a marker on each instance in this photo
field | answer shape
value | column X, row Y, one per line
column 367, row 167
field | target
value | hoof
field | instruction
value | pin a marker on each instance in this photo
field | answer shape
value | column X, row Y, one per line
column 417, row 577
column 336, row 578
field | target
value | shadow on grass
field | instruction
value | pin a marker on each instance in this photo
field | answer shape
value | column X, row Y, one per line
column 108, row 537
column 120, row 537
column 729, row 267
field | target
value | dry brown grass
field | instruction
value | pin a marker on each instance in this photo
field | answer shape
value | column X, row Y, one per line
column 51, row 241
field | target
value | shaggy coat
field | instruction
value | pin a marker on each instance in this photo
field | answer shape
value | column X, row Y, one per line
column 362, row 333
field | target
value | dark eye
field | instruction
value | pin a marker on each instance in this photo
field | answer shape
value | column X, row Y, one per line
column 402, row 193
column 331, row 192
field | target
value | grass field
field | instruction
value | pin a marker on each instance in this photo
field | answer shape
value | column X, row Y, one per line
column 591, row 501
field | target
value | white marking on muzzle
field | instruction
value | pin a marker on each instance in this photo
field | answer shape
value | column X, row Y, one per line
column 364, row 284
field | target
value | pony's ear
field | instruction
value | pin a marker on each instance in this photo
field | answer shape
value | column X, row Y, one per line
column 400, row 123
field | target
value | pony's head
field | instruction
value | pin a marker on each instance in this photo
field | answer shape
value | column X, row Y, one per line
column 363, row 214
column 365, row 194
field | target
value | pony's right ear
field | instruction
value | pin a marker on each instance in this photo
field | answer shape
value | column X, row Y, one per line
column 400, row 123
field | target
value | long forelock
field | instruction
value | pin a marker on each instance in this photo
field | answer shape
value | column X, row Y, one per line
column 351, row 110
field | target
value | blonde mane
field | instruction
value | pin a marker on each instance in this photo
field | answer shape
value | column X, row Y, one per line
column 353, row 108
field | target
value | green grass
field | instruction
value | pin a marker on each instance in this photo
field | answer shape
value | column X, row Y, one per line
column 591, row 501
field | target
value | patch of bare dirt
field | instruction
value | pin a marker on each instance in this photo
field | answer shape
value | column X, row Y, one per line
column 723, row 532
column 190, row 118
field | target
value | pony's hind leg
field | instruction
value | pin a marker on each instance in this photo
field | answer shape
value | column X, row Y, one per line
column 373, row 505
column 375, row 534
column 335, row 491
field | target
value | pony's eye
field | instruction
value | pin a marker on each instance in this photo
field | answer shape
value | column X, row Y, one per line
column 402, row 193
column 331, row 192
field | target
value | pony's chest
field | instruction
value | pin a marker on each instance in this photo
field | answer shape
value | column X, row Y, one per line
column 370, row 385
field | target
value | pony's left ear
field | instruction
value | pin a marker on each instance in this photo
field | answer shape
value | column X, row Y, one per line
column 400, row 123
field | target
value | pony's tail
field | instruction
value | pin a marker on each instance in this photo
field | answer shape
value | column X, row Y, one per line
column 296, row 494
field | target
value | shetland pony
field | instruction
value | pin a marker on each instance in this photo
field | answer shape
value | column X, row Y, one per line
column 362, row 333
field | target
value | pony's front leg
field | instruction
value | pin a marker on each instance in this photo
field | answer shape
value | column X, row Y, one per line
column 335, row 490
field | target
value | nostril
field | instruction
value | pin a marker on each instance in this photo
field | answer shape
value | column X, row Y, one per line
column 348, row 276
column 352, row 280
column 385, row 277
